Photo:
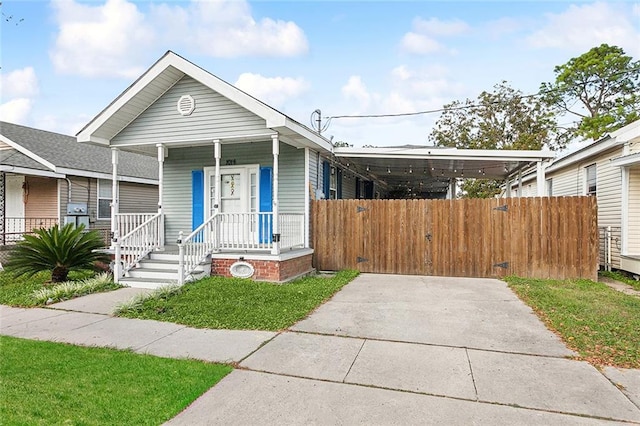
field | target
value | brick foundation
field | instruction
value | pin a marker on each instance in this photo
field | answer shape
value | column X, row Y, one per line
column 267, row 270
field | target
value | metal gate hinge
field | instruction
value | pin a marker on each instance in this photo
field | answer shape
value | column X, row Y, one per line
column 504, row 265
column 361, row 259
column 276, row 238
column 361, row 209
column 501, row 208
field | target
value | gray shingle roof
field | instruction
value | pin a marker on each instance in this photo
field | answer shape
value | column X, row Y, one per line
column 11, row 157
column 64, row 151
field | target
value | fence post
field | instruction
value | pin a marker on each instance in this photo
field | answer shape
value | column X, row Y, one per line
column 608, row 248
column 180, row 259
column 117, row 270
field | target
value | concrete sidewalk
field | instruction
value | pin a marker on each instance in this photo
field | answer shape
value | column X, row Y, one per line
column 385, row 350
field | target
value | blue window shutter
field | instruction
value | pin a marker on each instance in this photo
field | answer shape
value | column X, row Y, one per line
column 339, row 183
column 326, row 178
column 265, row 228
column 266, row 189
column 197, row 197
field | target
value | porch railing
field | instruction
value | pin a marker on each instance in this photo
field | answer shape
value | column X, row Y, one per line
column 127, row 222
column 137, row 243
column 237, row 232
column 16, row 227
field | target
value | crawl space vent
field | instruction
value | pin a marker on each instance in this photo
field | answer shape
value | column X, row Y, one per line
column 241, row 270
column 186, row 105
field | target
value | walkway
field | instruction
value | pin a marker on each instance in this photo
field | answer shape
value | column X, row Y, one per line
column 386, row 349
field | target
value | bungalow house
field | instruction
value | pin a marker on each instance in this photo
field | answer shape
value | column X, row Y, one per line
column 237, row 177
column 48, row 178
column 608, row 169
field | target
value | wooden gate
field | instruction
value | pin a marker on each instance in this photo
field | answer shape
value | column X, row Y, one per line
column 554, row 237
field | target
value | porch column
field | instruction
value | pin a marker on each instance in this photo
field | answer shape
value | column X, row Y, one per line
column 216, row 153
column 275, row 202
column 507, row 191
column 452, row 189
column 114, row 192
column 541, row 184
column 624, row 216
column 161, row 155
column 3, row 194
column 519, row 183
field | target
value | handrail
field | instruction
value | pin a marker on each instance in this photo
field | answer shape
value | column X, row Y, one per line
column 196, row 247
column 135, row 245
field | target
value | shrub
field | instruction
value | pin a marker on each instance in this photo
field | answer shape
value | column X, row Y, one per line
column 58, row 250
column 70, row 289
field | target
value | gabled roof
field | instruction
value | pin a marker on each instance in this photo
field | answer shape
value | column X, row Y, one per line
column 165, row 73
column 61, row 155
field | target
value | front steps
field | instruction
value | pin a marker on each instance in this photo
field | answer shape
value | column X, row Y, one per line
column 160, row 269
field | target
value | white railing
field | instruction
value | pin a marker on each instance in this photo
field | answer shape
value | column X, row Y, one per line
column 135, row 245
column 237, row 232
column 195, row 248
column 127, row 222
column 291, row 230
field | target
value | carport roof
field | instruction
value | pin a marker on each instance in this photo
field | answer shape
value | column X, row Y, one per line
column 420, row 166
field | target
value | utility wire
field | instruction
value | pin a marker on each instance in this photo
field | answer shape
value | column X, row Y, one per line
column 459, row 107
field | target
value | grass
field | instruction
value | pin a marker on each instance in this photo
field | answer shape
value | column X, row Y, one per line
column 229, row 303
column 18, row 291
column 52, row 383
column 70, row 289
column 622, row 277
column 599, row 323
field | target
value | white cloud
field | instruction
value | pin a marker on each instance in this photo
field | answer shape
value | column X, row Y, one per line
column 436, row 27
column 274, row 91
column 411, row 90
column 16, row 110
column 423, row 39
column 116, row 38
column 356, row 89
column 420, row 44
column 582, row 27
column 106, row 40
column 19, row 83
column 227, row 28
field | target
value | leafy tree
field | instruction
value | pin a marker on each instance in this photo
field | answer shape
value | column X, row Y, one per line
column 502, row 119
column 59, row 250
column 601, row 87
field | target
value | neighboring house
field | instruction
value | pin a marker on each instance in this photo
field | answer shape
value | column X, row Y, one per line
column 608, row 169
column 237, row 177
column 48, row 178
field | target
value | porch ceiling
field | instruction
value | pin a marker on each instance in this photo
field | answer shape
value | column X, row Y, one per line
column 431, row 168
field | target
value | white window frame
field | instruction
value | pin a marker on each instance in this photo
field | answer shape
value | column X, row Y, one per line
column 587, row 189
column 333, row 183
column 109, row 184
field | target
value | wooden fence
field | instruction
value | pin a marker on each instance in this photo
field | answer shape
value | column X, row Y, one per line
column 553, row 237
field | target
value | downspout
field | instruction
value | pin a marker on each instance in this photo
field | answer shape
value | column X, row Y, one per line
column 68, row 189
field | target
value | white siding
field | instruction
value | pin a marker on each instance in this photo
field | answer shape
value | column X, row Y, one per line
column 214, row 117
column 571, row 181
column 348, row 186
column 138, row 198
column 182, row 161
column 633, row 236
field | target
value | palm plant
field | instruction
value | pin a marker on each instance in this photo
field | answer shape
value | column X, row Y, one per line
column 59, row 250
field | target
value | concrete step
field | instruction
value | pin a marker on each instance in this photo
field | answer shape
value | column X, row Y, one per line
column 157, row 273
column 159, row 264
column 159, row 255
column 151, row 283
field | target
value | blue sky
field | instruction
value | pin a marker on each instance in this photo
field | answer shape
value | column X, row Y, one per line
column 66, row 60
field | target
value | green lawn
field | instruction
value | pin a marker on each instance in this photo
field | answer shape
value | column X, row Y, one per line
column 230, row 303
column 47, row 383
column 601, row 324
column 18, row 291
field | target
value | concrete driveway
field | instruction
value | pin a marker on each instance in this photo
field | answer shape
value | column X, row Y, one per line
column 417, row 350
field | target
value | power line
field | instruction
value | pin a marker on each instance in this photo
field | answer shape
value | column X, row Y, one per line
column 459, row 107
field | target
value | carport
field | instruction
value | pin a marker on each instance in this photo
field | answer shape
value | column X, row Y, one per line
column 434, row 170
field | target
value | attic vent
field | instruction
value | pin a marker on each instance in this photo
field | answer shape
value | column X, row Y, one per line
column 186, row 105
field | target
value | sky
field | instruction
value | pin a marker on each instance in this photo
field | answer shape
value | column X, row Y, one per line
column 63, row 61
